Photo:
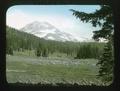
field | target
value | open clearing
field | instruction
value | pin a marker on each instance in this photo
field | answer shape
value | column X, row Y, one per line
column 51, row 70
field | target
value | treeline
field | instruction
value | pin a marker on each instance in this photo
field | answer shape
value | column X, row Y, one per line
column 21, row 41
column 89, row 50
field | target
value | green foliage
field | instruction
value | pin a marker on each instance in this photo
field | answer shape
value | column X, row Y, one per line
column 106, row 63
column 9, row 50
column 39, row 50
column 38, row 53
column 104, row 19
column 89, row 50
column 45, row 53
column 21, row 41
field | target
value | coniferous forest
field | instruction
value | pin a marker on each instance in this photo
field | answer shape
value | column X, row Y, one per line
column 18, row 41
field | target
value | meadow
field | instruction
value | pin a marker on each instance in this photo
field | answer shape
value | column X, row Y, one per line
column 51, row 70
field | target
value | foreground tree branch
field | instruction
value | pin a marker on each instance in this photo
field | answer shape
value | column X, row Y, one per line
column 102, row 18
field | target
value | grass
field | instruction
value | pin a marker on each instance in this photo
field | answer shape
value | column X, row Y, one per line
column 51, row 70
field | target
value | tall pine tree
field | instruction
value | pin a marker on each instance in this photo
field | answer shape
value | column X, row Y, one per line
column 104, row 19
column 106, row 63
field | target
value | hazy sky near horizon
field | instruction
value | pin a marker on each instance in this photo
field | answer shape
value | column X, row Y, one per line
column 58, row 15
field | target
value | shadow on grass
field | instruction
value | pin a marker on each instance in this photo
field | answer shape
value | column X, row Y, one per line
column 52, row 85
column 37, row 87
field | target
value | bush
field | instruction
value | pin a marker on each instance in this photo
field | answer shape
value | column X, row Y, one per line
column 9, row 51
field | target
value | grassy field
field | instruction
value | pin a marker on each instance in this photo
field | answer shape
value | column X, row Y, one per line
column 51, row 70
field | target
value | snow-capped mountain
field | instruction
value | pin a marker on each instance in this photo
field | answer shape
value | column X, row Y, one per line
column 47, row 31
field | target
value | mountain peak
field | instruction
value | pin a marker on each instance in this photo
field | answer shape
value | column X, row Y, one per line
column 47, row 31
column 35, row 22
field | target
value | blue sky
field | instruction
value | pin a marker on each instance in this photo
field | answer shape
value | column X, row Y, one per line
column 58, row 15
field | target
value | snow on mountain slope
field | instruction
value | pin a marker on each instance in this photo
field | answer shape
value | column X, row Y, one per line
column 47, row 31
